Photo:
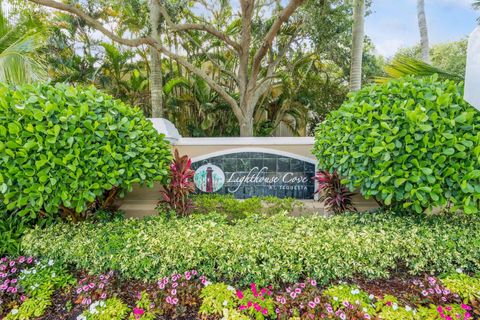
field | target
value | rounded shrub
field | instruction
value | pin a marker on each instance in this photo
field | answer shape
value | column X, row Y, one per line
column 63, row 148
column 409, row 142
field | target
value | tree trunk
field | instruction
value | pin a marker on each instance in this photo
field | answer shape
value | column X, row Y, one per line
column 357, row 44
column 156, row 79
column 246, row 127
column 422, row 25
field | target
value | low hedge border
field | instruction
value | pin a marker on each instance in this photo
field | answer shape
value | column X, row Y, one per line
column 266, row 250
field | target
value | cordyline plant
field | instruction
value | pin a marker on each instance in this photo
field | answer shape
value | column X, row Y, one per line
column 336, row 196
column 176, row 194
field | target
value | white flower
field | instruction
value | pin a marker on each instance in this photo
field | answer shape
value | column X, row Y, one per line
column 231, row 288
column 459, row 270
column 225, row 303
column 335, row 298
column 395, row 306
column 408, row 308
column 81, row 317
column 54, row 274
column 207, row 283
column 355, row 291
column 102, row 304
column 50, row 262
column 371, row 296
column 14, row 311
column 365, row 309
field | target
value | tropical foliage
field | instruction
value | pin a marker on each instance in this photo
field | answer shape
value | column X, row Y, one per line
column 266, row 250
column 19, row 49
column 291, row 105
column 72, row 150
column 412, row 143
column 176, row 194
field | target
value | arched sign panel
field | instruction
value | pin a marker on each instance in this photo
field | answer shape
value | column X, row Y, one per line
column 248, row 174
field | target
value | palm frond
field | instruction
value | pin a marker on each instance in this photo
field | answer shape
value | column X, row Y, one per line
column 403, row 66
column 18, row 64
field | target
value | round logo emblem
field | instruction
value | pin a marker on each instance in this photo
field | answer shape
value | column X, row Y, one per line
column 209, row 178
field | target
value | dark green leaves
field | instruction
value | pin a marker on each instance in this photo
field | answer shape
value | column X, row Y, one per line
column 64, row 146
column 417, row 144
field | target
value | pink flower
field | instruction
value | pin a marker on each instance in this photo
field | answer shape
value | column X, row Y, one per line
column 91, row 285
column 466, row 307
column 138, row 312
column 265, row 311
column 86, row 288
column 242, row 308
column 103, row 295
column 317, row 300
column 23, row 298
column 313, row 282
column 161, row 285
column 312, row 304
column 239, row 294
column 173, row 292
column 440, row 309
column 293, row 295
column 448, row 308
column 12, row 263
column 101, row 286
column 13, row 270
column 21, row 259
column 79, row 290
column 29, row 260
column 174, row 285
column 253, row 287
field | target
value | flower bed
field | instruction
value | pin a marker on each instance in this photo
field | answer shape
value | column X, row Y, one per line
column 43, row 289
column 266, row 250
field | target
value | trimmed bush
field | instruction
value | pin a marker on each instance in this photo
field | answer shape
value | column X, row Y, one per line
column 63, row 147
column 266, row 250
column 410, row 142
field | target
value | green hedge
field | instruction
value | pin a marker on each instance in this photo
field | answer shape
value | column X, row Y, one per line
column 410, row 142
column 66, row 146
column 266, row 250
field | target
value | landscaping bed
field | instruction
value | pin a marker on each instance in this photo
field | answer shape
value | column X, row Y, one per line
column 59, row 293
column 210, row 266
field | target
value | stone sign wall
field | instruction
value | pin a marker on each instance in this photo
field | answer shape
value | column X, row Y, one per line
column 248, row 174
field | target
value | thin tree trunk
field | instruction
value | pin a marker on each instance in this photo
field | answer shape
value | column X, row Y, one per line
column 422, row 25
column 357, row 44
column 156, row 77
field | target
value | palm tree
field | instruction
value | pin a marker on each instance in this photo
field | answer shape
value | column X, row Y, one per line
column 18, row 45
column 422, row 25
column 357, row 44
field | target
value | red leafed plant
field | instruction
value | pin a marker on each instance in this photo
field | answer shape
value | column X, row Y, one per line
column 176, row 194
column 336, row 196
